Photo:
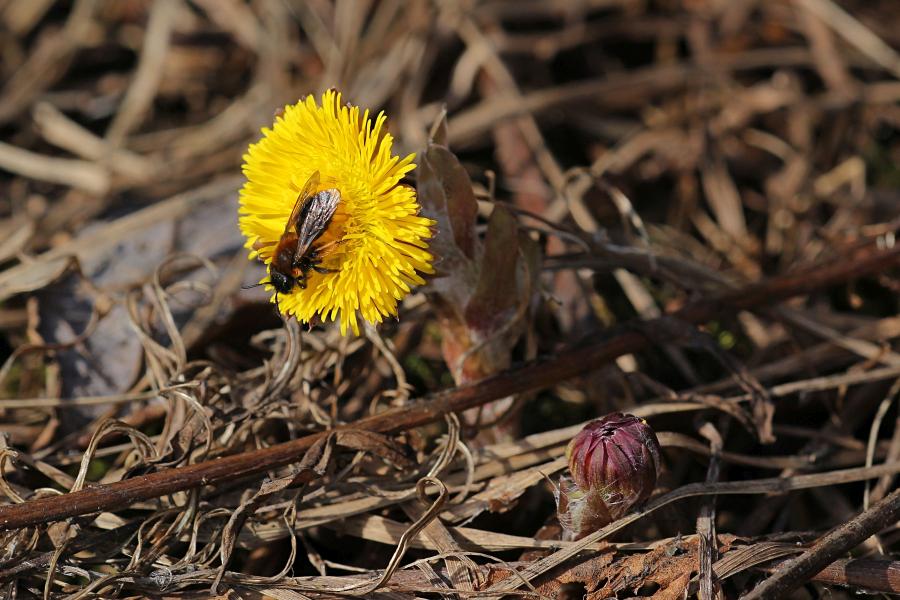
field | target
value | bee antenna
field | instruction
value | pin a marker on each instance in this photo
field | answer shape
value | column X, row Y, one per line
column 255, row 285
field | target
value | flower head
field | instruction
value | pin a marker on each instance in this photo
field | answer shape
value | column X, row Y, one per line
column 614, row 462
column 373, row 248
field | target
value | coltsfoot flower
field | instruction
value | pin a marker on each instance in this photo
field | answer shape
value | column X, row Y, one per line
column 374, row 247
column 613, row 463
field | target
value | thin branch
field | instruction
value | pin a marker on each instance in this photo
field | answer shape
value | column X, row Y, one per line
column 797, row 571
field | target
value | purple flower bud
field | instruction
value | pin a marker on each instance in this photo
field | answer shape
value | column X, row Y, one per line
column 613, row 462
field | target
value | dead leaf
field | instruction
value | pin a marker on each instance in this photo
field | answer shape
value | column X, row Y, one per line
column 377, row 444
column 28, row 278
column 445, row 192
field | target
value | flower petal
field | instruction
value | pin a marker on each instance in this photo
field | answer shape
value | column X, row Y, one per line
column 375, row 245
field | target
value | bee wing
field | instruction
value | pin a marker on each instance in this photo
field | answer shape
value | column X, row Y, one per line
column 314, row 220
column 301, row 202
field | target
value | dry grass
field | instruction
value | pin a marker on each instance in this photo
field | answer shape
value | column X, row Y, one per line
column 702, row 199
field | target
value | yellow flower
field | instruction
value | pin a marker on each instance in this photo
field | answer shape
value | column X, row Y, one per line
column 375, row 245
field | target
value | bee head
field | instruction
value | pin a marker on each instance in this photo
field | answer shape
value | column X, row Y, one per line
column 282, row 283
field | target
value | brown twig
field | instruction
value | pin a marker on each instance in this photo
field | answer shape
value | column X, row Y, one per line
column 865, row 258
column 872, row 574
column 797, row 571
column 710, row 588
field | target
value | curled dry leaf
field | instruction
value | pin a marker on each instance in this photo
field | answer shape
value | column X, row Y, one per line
column 377, row 444
column 312, row 465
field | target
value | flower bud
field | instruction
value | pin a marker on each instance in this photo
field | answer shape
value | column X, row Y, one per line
column 613, row 463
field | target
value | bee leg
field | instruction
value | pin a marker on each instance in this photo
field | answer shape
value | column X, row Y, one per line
column 323, row 270
column 259, row 244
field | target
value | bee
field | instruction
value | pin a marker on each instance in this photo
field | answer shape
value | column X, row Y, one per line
column 295, row 256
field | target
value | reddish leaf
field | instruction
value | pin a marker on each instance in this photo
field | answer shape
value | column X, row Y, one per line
column 497, row 295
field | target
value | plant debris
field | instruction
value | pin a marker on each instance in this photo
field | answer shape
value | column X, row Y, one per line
column 685, row 211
